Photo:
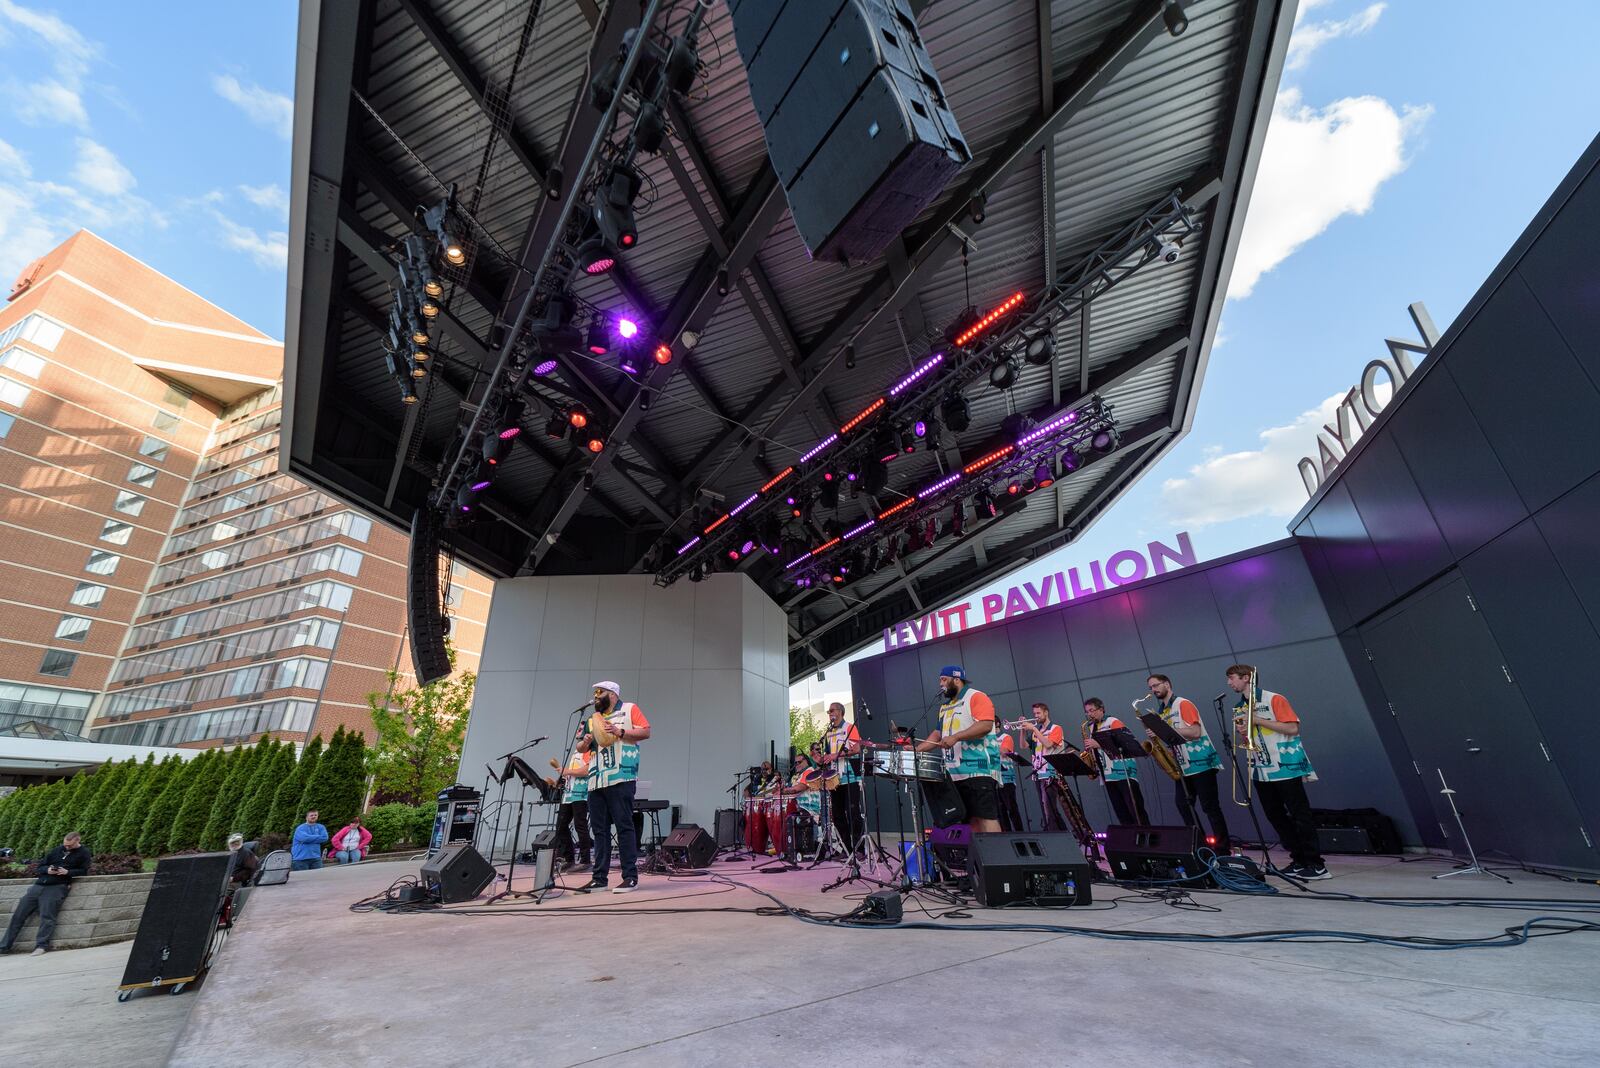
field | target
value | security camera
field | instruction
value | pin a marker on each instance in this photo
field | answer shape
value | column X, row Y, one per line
column 1169, row 251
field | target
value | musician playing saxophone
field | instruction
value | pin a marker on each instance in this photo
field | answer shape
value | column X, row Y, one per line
column 1047, row 739
column 1280, row 767
column 1120, row 773
column 971, row 748
column 1197, row 758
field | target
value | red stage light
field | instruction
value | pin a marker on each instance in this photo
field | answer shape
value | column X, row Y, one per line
column 663, row 354
column 577, row 419
column 777, row 478
column 984, row 461
column 852, row 424
column 887, row 512
column 988, row 320
column 596, row 444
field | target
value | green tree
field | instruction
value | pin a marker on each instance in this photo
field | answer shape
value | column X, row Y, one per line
column 157, row 826
column 804, row 728
column 41, row 803
column 199, row 800
column 96, row 813
column 224, row 819
column 276, row 766
column 420, row 730
column 67, row 811
column 335, row 788
column 10, row 813
column 286, row 812
column 121, row 833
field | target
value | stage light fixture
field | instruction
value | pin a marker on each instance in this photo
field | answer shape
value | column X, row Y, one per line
column 1104, row 440
column 613, row 207
column 1003, row 375
column 920, row 428
column 596, row 444
column 465, row 498
column 628, row 365
column 588, row 485
column 419, row 355
column 598, row 339
column 429, row 307
column 595, row 255
column 1070, row 460
column 556, row 426
column 875, row 477
column 1030, row 485
column 722, row 282
column 1043, row 476
column 432, row 286
column 627, row 329
column 978, row 208
column 408, row 392
column 663, row 354
column 957, row 415
column 983, row 505
column 577, row 417
column 544, row 367
column 511, row 420
column 418, row 371
column 494, row 448
column 849, row 357
column 419, row 334
column 650, row 128
column 908, row 441
column 1040, row 349
column 1013, row 488
column 644, row 400
column 1176, row 19
column 829, row 495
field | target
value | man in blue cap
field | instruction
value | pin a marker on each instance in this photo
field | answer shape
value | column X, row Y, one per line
column 971, row 748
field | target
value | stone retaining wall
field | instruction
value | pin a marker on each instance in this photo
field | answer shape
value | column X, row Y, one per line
column 99, row 909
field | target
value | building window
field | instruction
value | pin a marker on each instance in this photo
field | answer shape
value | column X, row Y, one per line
column 65, row 709
column 58, row 662
column 89, row 594
column 41, row 333
column 176, row 398
column 13, row 393
column 142, row 475
column 6, row 422
column 23, row 362
column 164, row 420
column 154, row 448
column 116, row 533
column 102, row 562
column 129, row 503
column 73, row 628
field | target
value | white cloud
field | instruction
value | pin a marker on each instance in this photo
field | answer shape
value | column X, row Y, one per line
column 267, row 197
column 269, row 249
column 58, row 100
column 50, row 103
column 1310, row 36
column 100, row 171
column 1318, row 164
column 1238, row 485
column 263, row 107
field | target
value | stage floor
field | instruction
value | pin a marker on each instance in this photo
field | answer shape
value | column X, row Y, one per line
column 306, row 981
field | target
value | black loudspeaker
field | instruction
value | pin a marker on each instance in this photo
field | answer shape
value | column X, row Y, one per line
column 457, row 873
column 727, row 825
column 1159, row 854
column 945, row 807
column 1335, row 824
column 953, row 846
column 1041, row 869
column 1344, row 840
column 857, row 125
column 179, row 919
column 425, row 616
column 689, row 846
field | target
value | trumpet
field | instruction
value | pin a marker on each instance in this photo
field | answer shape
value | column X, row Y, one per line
column 1158, row 750
column 1017, row 725
column 1251, row 743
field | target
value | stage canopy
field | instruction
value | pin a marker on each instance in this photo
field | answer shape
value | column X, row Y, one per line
column 1086, row 119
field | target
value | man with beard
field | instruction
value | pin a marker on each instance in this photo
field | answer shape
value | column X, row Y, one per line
column 613, row 778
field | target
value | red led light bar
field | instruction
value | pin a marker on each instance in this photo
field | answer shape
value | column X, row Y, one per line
column 777, row 478
column 852, row 424
column 887, row 512
column 984, row 461
column 717, row 524
column 988, row 320
column 825, row 546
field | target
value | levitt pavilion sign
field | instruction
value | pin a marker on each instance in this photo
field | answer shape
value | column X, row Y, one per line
column 1118, row 569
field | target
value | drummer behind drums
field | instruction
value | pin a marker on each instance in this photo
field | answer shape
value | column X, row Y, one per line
column 971, row 748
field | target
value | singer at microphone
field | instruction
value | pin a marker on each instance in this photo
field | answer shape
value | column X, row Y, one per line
column 842, row 745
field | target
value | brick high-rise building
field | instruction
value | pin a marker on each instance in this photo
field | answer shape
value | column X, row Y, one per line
column 162, row 584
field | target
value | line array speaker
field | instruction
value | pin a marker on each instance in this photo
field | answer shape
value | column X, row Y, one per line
column 179, row 919
column 857, row 125
column 425, row 618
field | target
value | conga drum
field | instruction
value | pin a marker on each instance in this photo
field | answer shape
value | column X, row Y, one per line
column 778, row 812
column 755, row 825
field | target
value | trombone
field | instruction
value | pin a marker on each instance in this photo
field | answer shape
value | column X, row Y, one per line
column 1251, row 744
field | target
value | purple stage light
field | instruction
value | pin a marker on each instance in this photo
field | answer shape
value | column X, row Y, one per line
column 920, row 428
column 1055, row 424
column 627, row 329
column 927, row 365
column 742, row 505
column 792, row 563
column 692, row 543
column 864, row 526
column 544, row 367
column 823, row 444
column 948, row 480
column 476, row 486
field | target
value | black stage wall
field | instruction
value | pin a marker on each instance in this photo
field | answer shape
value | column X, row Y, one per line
column 1456, row 549
column 1261, row 607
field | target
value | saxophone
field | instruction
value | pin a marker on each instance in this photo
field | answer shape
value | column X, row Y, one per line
column 1095, row 758
column 1158, row 751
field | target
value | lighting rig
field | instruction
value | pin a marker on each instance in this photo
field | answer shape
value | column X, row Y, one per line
column 931, row 394
column 596, row 227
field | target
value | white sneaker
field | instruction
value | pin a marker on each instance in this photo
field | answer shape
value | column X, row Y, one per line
column 38, row 952
column 626, row 886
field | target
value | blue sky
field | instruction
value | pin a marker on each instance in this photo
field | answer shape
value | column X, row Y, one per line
column 1410, row 144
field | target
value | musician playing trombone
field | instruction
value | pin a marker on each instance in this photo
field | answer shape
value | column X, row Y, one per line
column 1119, row 773
column 1048, row 739
column 1279, row 766
column 1197, row 759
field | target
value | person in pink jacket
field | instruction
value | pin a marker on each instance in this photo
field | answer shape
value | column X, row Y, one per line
column 349, row 843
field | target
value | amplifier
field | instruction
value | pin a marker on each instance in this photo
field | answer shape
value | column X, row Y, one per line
column 689, row 846
column 1344, row 840
column 1156, row 854
column 726, row 821
column 1040, row 869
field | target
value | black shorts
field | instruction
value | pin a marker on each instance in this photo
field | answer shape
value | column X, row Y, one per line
column 981, row 795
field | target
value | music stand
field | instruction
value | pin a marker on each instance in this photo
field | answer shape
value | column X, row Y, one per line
column 1118, row 743
column 1161, row 728
column 515, row 765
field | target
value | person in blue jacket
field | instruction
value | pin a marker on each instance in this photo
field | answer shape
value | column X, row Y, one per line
column 310, row 839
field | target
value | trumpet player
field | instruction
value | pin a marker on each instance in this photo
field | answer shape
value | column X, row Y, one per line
column 1119, row 773
column 1048, row 740
column 1197, row 759
column 1279, row 766
column 613, row 778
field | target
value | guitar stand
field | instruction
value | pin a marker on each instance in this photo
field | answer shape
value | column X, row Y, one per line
column 1475, row 867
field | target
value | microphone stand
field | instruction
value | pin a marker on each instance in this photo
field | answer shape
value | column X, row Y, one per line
column 1226, row 725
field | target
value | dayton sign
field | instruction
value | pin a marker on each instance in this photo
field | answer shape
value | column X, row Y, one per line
column 1362, row 404
column 1118, row 569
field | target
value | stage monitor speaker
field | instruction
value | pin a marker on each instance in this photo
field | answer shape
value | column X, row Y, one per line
column 1158, row 854
column 953, row 846
column 727, row 825
column 1344, row 840
column 689, row 846
column 179, row 919
column 1041, row 869
column 857, row 125
column 425, row 616
column 457, row 873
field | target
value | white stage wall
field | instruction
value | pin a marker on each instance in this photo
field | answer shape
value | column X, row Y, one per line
column 706, row 661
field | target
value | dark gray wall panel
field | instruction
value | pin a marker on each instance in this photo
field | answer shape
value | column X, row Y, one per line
column 1103, row 636
column 1419, row 811
column 1569, row 527
column 1511, row 351
column 1316, row 556
column 1549, row 643
column 1467, row 491
column 1064, row 698
column 1040, row 651
column 1266, row 600
column 867, row 686
column 1349, row 552
column 986, row 657
column 1564, row 273
column 1396, row 517
column 1178, row 620
column 903, row 680
column 934, row 656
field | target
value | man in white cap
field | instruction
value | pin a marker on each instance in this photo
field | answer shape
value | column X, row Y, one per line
column 613, row 778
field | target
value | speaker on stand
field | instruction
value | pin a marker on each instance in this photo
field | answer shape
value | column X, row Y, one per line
column 425, row 619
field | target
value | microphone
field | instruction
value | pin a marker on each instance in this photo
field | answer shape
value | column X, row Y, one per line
column 541, row 738
column 1221, row 697
column 865, row 710
column 580, row 708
